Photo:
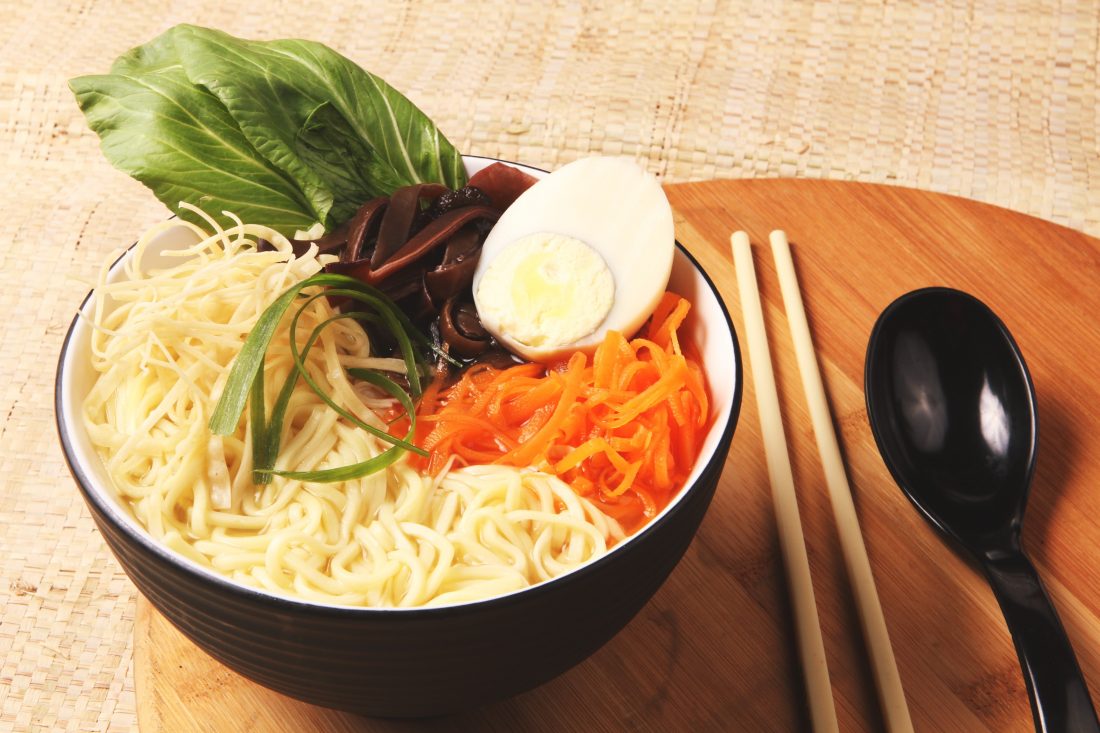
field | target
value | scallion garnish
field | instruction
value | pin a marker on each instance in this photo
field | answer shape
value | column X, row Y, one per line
column 245, row 380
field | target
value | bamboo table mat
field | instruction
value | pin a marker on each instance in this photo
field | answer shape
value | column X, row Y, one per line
column 984, row 99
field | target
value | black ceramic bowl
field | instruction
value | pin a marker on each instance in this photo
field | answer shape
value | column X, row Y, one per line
column 414, row 662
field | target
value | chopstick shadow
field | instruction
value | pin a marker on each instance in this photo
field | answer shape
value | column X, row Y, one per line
column 760, row 568
column 839, row 601
column 842, row 601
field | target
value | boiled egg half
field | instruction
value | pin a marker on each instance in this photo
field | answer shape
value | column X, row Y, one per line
column 585, row 250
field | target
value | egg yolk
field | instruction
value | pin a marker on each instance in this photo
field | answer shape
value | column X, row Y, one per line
column 546, row 290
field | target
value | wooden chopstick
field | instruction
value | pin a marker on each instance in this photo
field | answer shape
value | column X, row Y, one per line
column 792, row 544
column 887, row 681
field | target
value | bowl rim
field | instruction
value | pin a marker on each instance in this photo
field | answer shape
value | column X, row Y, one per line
column 99, row 500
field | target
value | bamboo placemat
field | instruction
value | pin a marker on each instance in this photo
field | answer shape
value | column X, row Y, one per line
column 985, row 99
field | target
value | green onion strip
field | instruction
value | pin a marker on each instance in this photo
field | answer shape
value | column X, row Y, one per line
column 245, row 382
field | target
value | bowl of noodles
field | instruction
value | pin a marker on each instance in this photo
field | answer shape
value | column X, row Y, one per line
column 461, row 568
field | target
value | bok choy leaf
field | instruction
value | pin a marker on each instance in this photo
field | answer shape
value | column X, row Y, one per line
column 180, row 141
column 284, row 133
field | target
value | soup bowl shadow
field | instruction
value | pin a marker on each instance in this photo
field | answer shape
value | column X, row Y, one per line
column 422, row 661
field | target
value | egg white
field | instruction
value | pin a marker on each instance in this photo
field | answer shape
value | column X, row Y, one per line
column 615, row 207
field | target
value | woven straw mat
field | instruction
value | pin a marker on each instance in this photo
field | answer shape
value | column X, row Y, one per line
column 989, row 99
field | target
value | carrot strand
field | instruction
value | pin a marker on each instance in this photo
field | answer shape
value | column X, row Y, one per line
column 622, row 428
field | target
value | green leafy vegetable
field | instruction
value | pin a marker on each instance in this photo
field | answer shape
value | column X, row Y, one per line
column 276, row 89
column 284, row 133
column 180, row 141
column 325, row 143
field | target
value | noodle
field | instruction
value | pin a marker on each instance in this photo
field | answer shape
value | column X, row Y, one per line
column 162, row 345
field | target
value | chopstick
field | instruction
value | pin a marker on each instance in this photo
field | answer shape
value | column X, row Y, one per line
column 895, row 712
column 792, row 544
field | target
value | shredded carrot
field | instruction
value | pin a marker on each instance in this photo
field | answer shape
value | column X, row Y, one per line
column 622, row 428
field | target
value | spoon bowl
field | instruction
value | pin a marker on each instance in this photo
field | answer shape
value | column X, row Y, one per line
column 952, row 408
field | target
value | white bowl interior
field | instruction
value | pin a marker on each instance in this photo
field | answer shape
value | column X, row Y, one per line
column 708, row 326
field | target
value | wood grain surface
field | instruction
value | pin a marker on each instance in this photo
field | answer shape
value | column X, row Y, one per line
column 714, row 650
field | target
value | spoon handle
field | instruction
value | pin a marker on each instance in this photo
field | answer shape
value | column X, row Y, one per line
column 1059, row 697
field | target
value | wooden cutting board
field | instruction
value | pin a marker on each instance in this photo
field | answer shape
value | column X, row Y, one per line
column 714, row 650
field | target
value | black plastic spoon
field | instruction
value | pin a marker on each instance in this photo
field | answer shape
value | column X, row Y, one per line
column 952, row 408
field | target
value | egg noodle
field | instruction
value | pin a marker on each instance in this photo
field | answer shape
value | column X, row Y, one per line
column 163, row 342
